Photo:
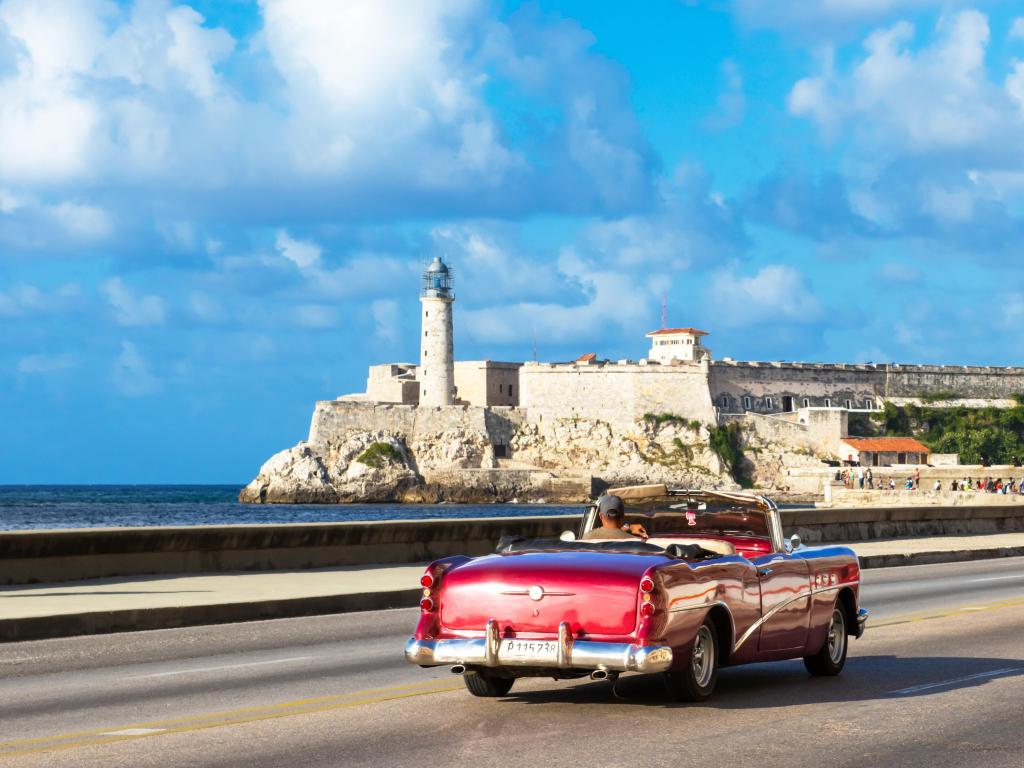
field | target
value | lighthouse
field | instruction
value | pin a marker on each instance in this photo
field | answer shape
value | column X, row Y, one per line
column 437, row 351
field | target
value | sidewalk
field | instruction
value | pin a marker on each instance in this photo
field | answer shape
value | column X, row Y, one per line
column 160, row 602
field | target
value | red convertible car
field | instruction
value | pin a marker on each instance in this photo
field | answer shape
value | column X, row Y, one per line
column 712, row 583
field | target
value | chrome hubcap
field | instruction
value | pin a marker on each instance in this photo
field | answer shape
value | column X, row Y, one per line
column 837, row 636
column 703, row 657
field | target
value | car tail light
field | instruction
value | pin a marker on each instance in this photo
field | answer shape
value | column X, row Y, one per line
column 647, row 609
column 427, row 604
column 427, row 580
column 646, row 584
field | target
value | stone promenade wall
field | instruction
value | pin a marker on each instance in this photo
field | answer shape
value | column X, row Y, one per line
column 51, row 556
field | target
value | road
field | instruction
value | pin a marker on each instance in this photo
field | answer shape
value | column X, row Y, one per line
column 938, row 680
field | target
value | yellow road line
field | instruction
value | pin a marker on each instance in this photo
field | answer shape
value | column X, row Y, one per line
column 100, row 736
column 59, row 743
column 431, row 685
column 962, row 610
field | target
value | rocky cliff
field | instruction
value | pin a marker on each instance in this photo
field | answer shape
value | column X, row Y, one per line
column 365, row 453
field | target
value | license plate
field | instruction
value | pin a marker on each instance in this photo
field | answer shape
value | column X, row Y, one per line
column 528, row 649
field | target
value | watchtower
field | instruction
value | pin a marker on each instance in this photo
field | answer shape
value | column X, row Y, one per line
column 437, row 352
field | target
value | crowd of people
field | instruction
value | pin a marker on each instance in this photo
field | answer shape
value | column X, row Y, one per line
column 864, row 479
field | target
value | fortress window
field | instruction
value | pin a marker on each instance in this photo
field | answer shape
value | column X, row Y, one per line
column 869, row 404
column 849, row 404
column 828, row 403
column 767, row 402
column 746, row 403
column 807, row 403
column 510, row 390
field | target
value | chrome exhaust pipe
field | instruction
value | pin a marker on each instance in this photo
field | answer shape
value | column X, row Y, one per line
column 599, row 674
column 458, row 669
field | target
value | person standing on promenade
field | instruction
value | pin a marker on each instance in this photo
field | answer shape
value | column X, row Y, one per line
column 917, row 477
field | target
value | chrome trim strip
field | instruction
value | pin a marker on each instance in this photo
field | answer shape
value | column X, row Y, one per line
column 775, row 609
column 582, row 655
column 709, row 606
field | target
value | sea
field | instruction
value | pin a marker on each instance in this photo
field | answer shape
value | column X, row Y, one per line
column 27, row 507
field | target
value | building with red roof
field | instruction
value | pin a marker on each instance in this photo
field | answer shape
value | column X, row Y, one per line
column 883, row 451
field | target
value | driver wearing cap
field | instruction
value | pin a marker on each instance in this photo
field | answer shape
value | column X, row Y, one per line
column 612, row 516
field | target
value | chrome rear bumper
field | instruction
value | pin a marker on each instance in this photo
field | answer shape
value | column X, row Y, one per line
column 569, row 653
column 862, row 619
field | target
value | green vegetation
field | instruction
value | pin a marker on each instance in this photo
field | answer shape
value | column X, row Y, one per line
column 379, row 454
column 727, row 442
column 671, row 418
column 979, row 435
column 937, row 397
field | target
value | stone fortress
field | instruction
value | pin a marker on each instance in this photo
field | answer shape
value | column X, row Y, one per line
column 469, row 430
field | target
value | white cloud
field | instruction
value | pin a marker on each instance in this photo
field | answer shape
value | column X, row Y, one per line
column 611, row 301
column 386, row 325
column 304, row 254
column 10, row 202
column 776, row 293
column 1012, row 310
column 315, row 316
column 85, row 221
column 916, row 100
column 131, row 374
column 132, row 310
column 205, row 308
column 830, row 18
column 731, row 103
column 42, row 364
column 1017, row 29
column 26, row 300
column 899, row 272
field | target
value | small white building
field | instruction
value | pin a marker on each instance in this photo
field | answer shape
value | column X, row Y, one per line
column 882, row 451
column 684, row 344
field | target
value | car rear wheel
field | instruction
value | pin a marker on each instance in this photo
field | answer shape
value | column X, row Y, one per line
column 481, row 685
column 696, row 680
column 829, row 661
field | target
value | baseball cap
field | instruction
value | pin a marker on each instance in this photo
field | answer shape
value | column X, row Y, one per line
column 611, row 505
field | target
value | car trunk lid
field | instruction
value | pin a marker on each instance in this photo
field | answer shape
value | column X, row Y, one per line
column 532, row 592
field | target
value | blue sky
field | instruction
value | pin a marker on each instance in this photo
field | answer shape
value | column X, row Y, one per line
column 213, row 214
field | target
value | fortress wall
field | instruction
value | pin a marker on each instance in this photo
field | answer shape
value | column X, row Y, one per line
column 334, row 419
column 816, row 382
column 814, row 429
column 967, row 381
column 617, row 394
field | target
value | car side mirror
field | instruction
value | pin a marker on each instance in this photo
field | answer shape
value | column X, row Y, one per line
column 567, row 536
column 794, row 542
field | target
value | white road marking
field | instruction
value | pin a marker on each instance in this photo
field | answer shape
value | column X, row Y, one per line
column 223, row 666
column 999, row 578
column 134, row 732
column 954, row 681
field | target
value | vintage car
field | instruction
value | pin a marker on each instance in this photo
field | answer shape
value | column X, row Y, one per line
column 713, row 584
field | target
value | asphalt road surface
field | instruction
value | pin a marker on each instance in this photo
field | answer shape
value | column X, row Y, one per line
column 937, row 680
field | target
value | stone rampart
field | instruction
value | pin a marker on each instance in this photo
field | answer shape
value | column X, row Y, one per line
column 333, row 420
column 965, row 381
column 616, row 393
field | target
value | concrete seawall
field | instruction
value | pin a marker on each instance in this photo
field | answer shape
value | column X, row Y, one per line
column 50, row 556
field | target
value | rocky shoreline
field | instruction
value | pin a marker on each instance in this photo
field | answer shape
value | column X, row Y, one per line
column 359, row 454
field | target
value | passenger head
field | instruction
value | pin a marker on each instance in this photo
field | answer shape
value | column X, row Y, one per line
column 612, row 511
